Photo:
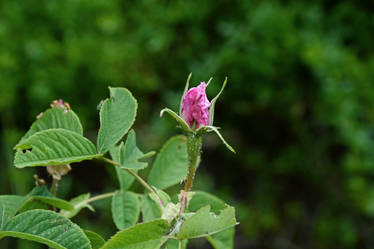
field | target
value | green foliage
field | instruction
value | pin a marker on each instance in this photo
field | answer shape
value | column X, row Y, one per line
column 222, row 240
column 150, row 209
column 57, row 140
column 298, row 109
column 117, row 114
column 40, row 197
column 129, row 154
column 78, row 204
column 125, row 209
column 201, row 199
column 174, row 244
column 125, row 178
column 170, row 166
column 204, row 223
column 9, row 204
column 145, row 235
column 54, row 118
column 48, row 228
column 54, row 147
column 95, row 239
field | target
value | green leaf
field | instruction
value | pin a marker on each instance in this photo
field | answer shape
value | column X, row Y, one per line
column 174, row 244
column 204, row 223
column 144, row 235
column 130, row 154
column 54, row 118
column 125, row 209
column 222, row 240
column 165, row 198
column 95, row 239
column 150, row 209
column 10, row 204
column 180, row 120
column 48, row 228
column 2, row 215
column 125, row 178
column 54, row 147
column 40, row 196
column 117, row 114
column 171, row 164
column 213, row 103
column 201, row 199
column 78, row 204
column 215, row 129
column 184, row 92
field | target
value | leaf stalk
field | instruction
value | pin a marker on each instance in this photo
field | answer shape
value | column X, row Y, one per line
column 137, row 177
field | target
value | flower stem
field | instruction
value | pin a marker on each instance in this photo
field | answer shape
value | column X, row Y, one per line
column 194, row 143
column 141, row 180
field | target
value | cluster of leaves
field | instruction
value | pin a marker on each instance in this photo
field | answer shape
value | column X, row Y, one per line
column 56, row 138
column 300, row 106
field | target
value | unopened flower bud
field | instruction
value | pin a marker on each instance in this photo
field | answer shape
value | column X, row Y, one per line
column 195, row 106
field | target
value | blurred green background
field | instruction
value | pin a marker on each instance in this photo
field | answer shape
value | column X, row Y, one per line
column 299, row 106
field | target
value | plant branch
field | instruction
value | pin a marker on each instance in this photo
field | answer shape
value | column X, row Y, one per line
column 141, row 180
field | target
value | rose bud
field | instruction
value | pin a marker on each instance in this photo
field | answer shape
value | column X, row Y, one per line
column 195, row 107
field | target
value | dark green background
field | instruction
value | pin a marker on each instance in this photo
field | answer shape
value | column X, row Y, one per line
column 298, row 107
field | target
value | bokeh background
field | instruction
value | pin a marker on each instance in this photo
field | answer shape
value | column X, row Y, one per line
column 299, row 106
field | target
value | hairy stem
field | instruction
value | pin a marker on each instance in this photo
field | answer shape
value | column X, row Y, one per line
column 137, row 177
column 194, row 143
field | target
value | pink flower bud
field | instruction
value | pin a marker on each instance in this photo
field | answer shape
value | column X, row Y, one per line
column 195, row 106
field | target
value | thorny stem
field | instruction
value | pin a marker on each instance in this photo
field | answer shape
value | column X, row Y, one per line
column 194, row 143
column 141, row 180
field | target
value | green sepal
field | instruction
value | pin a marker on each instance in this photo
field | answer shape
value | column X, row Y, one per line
column 178, row 118
column 184, row 92
column 204, row 129
column 213, row 103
